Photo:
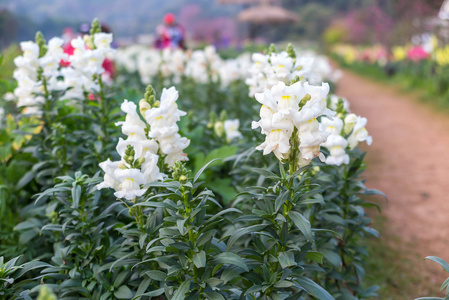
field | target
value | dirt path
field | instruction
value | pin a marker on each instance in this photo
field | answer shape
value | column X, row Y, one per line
column 408, row 162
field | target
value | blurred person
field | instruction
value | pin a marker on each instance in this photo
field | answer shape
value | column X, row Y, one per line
column 170, row 34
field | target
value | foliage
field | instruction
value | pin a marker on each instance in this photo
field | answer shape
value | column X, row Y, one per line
column 445, row 285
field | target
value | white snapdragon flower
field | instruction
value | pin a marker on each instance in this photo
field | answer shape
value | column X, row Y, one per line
column 303, row 68
column 287, row 98
column 136, row 167
column 141, row 147
column 359, row 132
column 310, row 138
column 277, row 128
column 103, row 41
column 337, row 148
column 285, row 108
column 281, row 65
column 163, row 127
column 148, row 63
column 130, row 181
column 94, row 61
column 133, row 126
column 110, row 179
column 333, row 126
column 30, row 50
column 9, row 97
column 231, row 128
column 316, row 106
column 150, row 168
column 50, row 65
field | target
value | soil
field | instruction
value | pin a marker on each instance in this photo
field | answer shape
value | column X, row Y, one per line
column 407, row 161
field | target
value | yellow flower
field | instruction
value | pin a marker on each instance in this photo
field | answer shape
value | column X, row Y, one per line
column 399, row 53
column 442, row 56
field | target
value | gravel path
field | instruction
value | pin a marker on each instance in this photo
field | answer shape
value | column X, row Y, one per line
column 407, row 161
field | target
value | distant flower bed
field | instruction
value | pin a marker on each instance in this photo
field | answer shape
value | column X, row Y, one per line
column 424, row 67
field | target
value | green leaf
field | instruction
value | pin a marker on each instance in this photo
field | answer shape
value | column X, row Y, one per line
column 315, row 256
column 302, row 223
column 440, row 261
column 198, row 174
column 199, row 259
column 215, row 296
column 280, row 200
column 313, row 288
column 156, row 275
column 123, row 292
column 76, row 195
column 286, row 259
column 266, row 173
column 154, row 293
column 143, row 287
column 241, row 232
column 223, row 186
column 25, row 180
column 232, row 259
column 180, row 293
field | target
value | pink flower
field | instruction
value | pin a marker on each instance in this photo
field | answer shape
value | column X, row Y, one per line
column 417, row 53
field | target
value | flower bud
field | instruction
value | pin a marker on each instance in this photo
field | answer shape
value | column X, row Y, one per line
column 291, row 52
column 350, row 121
column 150, row 94
column 304, row 100
column 219, row 128
column 95, row 27
column 139, row 162
column 144, row 106
column 40, row 41
column 295, row 80
column 183, row 179
column 271, row 49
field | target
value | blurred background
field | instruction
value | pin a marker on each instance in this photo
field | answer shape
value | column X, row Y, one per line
column 230, row 23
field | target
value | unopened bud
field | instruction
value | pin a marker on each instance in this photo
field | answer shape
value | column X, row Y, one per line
column 139, row 162
column 183, row 179
column 271, row 49
column 304, row 100
column 40, row 41
column 219, row 129
column 291, row 52
column 150, row 94
column 144, row 106
column 350, row 121
column 295, row 80
column 95, row 27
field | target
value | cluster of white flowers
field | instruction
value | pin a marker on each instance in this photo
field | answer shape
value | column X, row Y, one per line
column 286, row 108
column 37, row 75
column 345, row 133
column 84, row 64
column 202, row 66
column 267, row 70
column 30, row 89
column 148, row 142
